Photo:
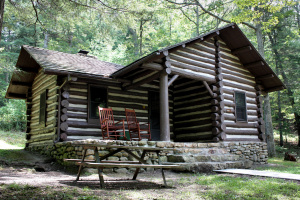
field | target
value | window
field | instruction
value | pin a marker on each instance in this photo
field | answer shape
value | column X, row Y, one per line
column 97, row 97
column 240, row 106
column 43, row 99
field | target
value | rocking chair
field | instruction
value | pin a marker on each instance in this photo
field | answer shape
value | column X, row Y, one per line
column 134, row 127
column 110, row 129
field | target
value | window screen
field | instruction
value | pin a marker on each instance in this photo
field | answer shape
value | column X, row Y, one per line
column 240, row 106
column 43, row 98
column 98, row 97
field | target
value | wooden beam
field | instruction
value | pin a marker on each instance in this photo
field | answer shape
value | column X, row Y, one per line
column 254, row 64
column 241, row 50
column 19, row 83
column 153, row 66
column 17, row 96
column 28, row 69
column 208, row 88
column 172, row 80
column 141, row 82
column 195, row 76
column 164, row 107
column 268, row 76
column 275, row 89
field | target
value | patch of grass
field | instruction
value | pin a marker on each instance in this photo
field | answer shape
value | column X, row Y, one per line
column 280, row 165
column 228, row 187
column 16, row 191
column 13, row 138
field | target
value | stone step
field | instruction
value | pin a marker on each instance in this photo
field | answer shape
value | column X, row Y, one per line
column 212, row 150
column 202, row 158
column 211, row 166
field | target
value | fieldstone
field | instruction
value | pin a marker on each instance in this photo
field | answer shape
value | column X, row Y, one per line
column 188, row 145
column 151, row 143
column 90, row 157
column 238, row 152
column 113, row 158
column 202, row 145
column 120, row 170
column 90, row 152
column 142, row 143
column 213, row 144
column 178, row 144
column 102, row 153
column 124, row 159
column 180, row 158
column 201, row 158
column 161, row 144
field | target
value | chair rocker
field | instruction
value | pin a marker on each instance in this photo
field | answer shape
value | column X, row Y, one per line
column 137, row 131
column 110, row 129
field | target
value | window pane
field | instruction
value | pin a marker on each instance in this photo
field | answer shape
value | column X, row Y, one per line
column 241, row 108
column 98, row 97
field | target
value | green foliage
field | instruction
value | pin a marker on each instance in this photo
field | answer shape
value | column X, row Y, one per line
column 13, row 138
column 12, row 116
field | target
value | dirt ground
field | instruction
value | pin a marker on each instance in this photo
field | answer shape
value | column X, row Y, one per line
column 39, row 171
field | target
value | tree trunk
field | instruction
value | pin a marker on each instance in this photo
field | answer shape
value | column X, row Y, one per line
column 286, row 82
column 141, row 37
column 279, row 119
column 2, row 2
column 269, row 126
column 198, row 20
column 135, row 41
column 46, row 39
column 267, row 107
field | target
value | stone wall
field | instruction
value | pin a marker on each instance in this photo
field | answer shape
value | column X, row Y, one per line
column 194, row 157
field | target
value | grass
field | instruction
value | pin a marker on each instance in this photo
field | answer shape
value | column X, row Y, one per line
column 17, row 191
column 13, row 138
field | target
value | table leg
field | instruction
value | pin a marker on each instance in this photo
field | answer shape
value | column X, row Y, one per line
column 80, row 166
column 162, row 170
column 138, row 169
column 100, row 170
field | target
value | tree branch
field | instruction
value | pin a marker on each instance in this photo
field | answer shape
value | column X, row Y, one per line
column 187, row 16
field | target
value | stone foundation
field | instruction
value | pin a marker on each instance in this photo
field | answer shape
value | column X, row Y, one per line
column 193, row 157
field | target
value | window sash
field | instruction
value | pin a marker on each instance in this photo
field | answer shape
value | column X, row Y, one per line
column 240, row 107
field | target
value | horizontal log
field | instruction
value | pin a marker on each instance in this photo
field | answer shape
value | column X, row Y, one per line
column 222, row 136
column 216, row 116
column 188, row 103
column 238, row 86
column 232, row 117
column 191, row 75
column 216, row 139
column 65, row 95
column 153, row 66
column 78, row 86
column 189, row 110
column 83, row 133
column 77, row 116
column 191, row 65
column 241, row 132
column 80, row 124
column 133, row 99
column 192, row 123
column 249, row 107
column 64, row 126
column 75, row 109
column 254, row 64
column 248, row 94
column 64, row 117
column 64, row 103
column 78, row 101
column 77, row 93
column 141, row 82
column 239, row 80
column 241, row 124
column 195, row 57
column 231, row 98
column 194, row 116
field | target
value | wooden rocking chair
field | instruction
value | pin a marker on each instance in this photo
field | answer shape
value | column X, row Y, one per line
column 110, row 129
column 134, row 127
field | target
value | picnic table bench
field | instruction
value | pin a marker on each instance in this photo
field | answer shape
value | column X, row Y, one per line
column 99, row 162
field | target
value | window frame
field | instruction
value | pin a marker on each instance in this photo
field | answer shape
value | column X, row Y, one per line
column 43, row 107
column 89, row 119
column 246, row 111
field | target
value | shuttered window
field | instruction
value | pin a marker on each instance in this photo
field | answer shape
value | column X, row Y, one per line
column 240, row 106
column 43, row 98
column 97, row 97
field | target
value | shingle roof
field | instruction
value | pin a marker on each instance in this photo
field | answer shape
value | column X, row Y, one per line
column 78, row 63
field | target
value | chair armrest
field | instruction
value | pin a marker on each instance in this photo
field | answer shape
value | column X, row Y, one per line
column 120, row 121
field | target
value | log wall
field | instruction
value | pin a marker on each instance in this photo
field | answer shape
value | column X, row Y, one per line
column 192, row 110
column 238, row 78
column 46, row 133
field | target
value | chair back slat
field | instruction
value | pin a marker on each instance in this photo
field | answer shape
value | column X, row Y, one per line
column 106, row 116
column 130, row 117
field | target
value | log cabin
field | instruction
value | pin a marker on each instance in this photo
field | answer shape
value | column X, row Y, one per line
column 208, row 88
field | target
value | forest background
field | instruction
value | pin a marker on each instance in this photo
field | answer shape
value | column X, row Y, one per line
column 121, row 31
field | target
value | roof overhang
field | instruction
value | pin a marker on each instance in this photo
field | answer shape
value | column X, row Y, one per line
column 238, row 44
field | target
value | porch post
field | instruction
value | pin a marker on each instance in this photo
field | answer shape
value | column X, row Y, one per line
column 164, row 106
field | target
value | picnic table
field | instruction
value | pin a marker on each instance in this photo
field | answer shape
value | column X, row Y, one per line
column 99, row 162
